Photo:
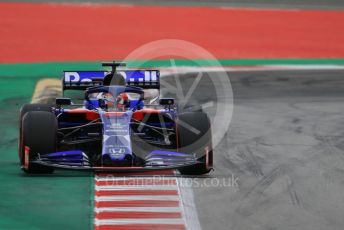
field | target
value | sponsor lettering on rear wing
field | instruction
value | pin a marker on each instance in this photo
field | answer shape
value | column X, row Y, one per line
column 147, row 79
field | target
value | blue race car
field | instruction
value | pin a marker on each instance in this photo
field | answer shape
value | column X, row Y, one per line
column 121, row 124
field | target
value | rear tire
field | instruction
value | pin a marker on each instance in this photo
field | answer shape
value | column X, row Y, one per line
column 34, row 107
column 39, row 130
column 190, row 142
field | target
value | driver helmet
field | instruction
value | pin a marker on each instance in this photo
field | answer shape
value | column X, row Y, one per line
column 122, row 101
column 108, row 99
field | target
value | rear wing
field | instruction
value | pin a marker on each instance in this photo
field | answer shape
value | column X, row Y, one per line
column 80, row 80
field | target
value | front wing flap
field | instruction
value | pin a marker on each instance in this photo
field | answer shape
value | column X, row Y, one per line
column 114, row 168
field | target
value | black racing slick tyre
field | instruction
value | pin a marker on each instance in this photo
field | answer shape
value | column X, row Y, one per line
column 39, row 130
column 25, row 109
column 193, row 131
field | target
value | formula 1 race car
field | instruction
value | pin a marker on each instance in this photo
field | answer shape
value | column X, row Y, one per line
column 121, row 124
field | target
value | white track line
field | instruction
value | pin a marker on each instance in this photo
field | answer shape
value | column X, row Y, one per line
column 138, row 209
column 137, row 178
column 188, row 205
column 166, row 71
column 135, row 187
column 138, row 221
column 127, row 198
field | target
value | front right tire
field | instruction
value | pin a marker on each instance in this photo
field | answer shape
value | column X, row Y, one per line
column 38, row 136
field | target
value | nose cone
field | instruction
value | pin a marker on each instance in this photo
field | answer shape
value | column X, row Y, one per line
column 111, row 159
column 116, row 152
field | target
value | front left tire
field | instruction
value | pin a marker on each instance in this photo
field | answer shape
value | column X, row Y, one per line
column 194, row 137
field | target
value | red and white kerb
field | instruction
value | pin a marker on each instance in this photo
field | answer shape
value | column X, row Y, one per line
column 143, row 202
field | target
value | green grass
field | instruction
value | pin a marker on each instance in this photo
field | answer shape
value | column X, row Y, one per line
column 62, row 200
column 54, row 69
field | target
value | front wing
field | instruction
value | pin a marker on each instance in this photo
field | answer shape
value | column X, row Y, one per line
column 116, row 168
column 155, row 160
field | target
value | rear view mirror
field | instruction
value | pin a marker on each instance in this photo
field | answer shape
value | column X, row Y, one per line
column 166, row 101
column 63, row 101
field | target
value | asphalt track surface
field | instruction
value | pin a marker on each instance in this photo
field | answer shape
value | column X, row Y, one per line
column 293, row 4
column 285, row 145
